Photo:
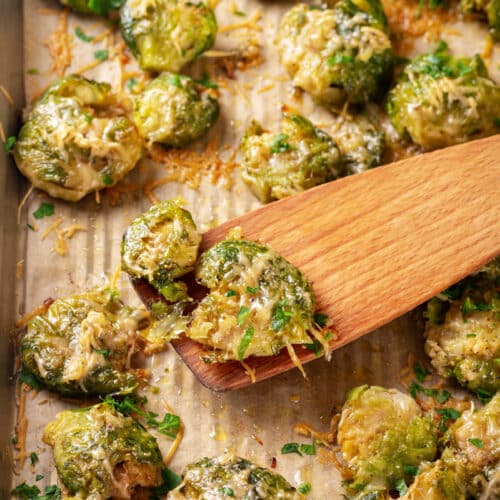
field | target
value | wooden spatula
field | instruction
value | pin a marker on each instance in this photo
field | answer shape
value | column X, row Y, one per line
column 374, row 245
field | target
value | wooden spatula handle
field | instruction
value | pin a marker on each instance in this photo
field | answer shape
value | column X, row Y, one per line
column 375, row 245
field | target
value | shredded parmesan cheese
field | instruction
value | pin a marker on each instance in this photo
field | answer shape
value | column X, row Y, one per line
column 51, row 228
column 22, row 203
column 19, row 269
column 250, row 23
column 7, row 95
column 249, row 371
column 60, row 44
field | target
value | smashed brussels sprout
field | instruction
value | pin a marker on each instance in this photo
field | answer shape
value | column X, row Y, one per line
column 469, row 466
column 229, row 476
column 338, row 54
column 173, row 111
column 75, row 141
column 82, row 344
column 489, row 8
column 161, row 246
column 463, row 331
column 381, row 433
column 164, row 35
column 361, row 143
column 100, row 453
column 299, row 157
column 441, row 100
column 100, row 7
column 258, row 302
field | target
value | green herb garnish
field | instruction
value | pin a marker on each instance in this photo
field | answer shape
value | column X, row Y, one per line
column 44, row 210
column 242, row 315
column 420, row 371
column 478, row 443
column 9, row 143
column 33, row 458
column 304, row 488
column 290, row 448
column 82, row 36
column 174, row 80
column 245, row 342
column 107, row 180
column 101, row 55
column 226, row 490
column 206, row 82
column 400, row 487
column 410, row 470
column 279, row 144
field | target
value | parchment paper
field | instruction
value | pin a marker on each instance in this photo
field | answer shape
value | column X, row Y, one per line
column 254, row 422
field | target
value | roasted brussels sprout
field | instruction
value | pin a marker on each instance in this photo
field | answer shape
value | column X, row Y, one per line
column 100, row 7
column 444, row 479
column 299, row 157
column 490, row 8
column 258, row 302
column 441, row 100
column 173, row 111
column 230, row 476
column 381, row 433
column 361, row 143
column 82, row 344
column 161, row 246
column 75, row 141
column 164, row 35
column 338, row 54
column 100, row 453
column 463, row 331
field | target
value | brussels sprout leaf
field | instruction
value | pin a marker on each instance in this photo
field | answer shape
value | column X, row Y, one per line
column 170, row 481
column 29, row 379
column 44, row 210
column 245, row 342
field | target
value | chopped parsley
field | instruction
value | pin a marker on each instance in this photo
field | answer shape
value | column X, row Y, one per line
column 88, row 117
column 478, row 443
column 315, row 347
column 169, row 426
column 242, row 315
column 39, row 477
column 321, row 319
column 44, row 210
column 107, row 180
column 26, row 492
column 420, row 371
column 245, row 342
column 469, row 307
column 131, row 84
column 9, row 143
column 226, row 490
column 29, row 226
column 290, row 448
column 231, row 293
column 206, row 82
column 440, row 395
column 496, row 121
column 33, row 71
column 33, row 458
column 104, row 352
column 252, row 289
column 174, row 80
column 446, row 414
column 82, row 36
column 280, row 316
column 299, row 449
column 304, row 488
column 279, row 144
column 101, row 55
column 432, row 4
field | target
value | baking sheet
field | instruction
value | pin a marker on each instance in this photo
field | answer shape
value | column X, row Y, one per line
column 254, row 422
